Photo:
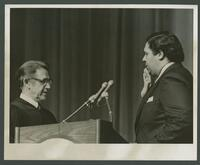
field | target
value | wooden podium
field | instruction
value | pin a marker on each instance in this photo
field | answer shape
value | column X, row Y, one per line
column 76, row 132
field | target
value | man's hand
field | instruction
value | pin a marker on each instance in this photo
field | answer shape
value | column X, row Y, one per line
column 147, row 82
column 146, row 77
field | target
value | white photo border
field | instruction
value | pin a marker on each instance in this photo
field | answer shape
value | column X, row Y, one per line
column 62, row 151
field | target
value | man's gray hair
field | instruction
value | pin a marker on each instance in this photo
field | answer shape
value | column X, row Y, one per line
column 28, row 69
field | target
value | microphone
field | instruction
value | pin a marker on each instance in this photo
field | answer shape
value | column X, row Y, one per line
column 95, row 96
column 90, row 100
column 104, row 93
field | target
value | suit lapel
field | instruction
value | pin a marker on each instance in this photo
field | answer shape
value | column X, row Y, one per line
column 144, row 100
column 149, row 93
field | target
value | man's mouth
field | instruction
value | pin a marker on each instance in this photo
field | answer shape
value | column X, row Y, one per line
column 44, row 93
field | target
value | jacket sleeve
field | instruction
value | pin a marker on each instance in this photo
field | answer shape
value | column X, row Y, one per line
column 176, row 98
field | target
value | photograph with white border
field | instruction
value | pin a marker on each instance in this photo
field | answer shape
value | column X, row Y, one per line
column 95, row 55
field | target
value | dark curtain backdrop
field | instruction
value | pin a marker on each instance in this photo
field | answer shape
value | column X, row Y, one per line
column 85, row 47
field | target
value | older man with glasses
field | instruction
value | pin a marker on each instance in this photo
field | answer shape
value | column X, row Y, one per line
column 34, row 82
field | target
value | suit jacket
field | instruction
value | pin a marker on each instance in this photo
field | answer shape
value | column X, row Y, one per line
column 23, row 113
column 165, row 114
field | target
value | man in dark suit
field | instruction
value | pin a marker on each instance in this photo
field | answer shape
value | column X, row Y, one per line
column 34, row 82
column 165, row 114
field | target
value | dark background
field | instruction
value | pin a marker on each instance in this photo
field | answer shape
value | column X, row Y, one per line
column 85, row 47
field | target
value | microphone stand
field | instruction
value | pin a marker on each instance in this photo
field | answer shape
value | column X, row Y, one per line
column 77, row 110
column 109, row 109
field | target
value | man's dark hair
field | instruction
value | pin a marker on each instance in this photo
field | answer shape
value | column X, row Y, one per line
column 168, row 43
column 28, row 69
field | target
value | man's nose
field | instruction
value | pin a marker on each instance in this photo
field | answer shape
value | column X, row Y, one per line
column 48, row 85
column 144, row 58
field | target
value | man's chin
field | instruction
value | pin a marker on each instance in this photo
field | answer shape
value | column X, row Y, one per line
column 150, row 71
column 43, row 97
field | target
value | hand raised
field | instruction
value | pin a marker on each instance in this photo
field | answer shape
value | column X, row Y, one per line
column 147, row 82
column 146, row 77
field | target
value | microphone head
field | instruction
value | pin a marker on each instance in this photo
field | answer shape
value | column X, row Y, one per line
column 110, row 82
column 104, row 84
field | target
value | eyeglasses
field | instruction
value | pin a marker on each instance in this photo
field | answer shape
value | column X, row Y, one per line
column 44, row 81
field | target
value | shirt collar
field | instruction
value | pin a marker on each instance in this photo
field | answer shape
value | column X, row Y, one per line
column 29, row 100
column 164, row 69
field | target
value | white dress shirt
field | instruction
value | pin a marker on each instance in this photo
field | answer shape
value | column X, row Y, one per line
column 164, row 69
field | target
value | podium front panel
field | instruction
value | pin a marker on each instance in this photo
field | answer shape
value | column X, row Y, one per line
column 77, row 132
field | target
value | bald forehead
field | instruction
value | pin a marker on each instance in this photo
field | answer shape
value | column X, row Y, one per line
column 42, row 73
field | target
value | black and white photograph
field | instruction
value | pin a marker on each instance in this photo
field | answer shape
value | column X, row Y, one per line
column 100, row 82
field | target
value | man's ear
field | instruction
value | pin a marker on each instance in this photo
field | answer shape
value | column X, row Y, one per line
column 25, row 81
column 161, row 55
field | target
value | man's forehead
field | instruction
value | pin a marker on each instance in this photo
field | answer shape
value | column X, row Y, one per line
column 42, row 72
column 146, row 47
